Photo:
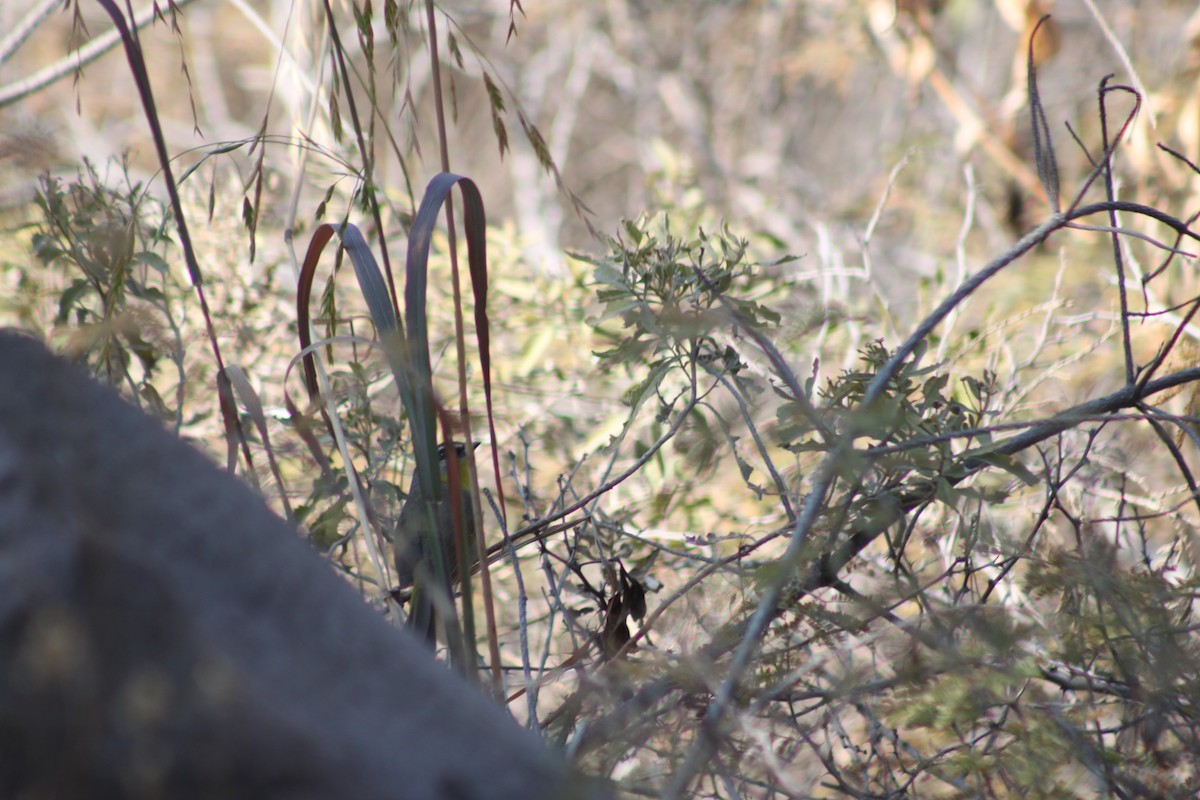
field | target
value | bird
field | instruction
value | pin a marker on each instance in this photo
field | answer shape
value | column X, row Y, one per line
column 415, row 565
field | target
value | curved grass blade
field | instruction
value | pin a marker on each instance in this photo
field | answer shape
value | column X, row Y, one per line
column 423, row 412
column 1043, row 147
column 370, row 281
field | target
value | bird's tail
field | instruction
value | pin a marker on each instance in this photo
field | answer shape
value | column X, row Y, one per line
column 421, row 617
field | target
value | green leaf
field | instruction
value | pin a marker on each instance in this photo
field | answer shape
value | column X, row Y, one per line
column 636, row 395
column 152, row 260
column 1005, row 462
column 71, row 297
column 633, row 232
column 607, row 275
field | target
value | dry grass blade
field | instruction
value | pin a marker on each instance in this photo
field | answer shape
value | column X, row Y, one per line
column 137, row 66
column 1043, row 147
column 316, row 245
column 241, row 384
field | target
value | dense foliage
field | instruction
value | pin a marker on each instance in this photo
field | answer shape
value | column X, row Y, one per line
column 888, row 496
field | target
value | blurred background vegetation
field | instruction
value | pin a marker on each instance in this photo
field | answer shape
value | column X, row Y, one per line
column 693, row 210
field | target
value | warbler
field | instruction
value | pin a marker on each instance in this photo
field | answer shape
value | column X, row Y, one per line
column 415, row 566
